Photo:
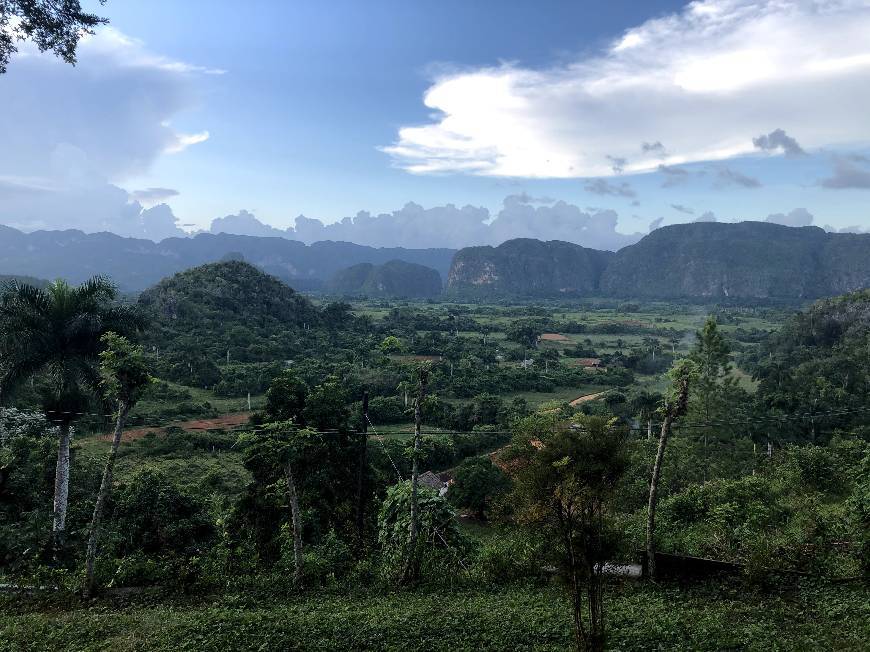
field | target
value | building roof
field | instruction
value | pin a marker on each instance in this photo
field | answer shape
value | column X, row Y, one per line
column 430, row 480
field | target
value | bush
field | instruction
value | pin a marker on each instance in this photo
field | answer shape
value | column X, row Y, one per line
column 508, row 558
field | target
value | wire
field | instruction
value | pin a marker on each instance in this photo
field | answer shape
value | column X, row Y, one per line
column 679, row 425
column 380, row 438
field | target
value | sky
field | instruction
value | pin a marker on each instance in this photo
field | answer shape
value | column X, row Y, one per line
column 443, row 123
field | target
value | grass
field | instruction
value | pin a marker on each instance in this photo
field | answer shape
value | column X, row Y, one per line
column 640, row 617
column 220, row 470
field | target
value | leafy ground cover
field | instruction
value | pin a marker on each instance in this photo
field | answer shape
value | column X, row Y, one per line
column 641, row 617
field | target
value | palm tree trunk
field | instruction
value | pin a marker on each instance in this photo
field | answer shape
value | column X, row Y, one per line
column 61, row 490
column 649, row 429
column 672, row 413
column 102, row 496
column 653, row 496
column 296, row 526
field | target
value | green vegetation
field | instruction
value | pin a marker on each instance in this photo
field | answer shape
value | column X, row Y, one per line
column 223, row 527
column 805, row 617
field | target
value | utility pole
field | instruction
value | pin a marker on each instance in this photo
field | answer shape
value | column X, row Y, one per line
column 361, row 472
column 249, row 401
column 412, row 568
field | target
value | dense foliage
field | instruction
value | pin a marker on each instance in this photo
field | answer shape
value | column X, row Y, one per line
column 542, row 418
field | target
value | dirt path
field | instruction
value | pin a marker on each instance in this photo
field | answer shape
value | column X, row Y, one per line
column 222, row 422
column 587, row 397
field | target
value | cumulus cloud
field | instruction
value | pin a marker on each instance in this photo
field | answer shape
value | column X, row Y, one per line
column 656, row 223
column 704, row 80
column 244, row 223
column 796, row 217
column 778, row 140
column 414, row 226
column 709, row 216
column 848, row 174
column 98, row 207
column 604, row 187
column 74, row 133
column 683, row 209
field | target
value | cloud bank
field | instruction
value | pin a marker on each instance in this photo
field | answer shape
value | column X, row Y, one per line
column 449, row 226
column 699, row 85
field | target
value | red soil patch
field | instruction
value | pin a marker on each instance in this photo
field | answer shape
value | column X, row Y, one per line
column 554, row 337
column 223, row 422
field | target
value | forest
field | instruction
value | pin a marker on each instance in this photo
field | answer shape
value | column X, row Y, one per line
column 221, row 462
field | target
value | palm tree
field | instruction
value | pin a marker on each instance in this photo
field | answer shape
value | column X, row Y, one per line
column 53, row 334
column 644, row 404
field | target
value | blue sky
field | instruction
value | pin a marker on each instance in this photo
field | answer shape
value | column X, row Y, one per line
column 307, row 106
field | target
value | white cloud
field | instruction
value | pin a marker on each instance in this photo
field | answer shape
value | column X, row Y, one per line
column 413, row 226
column 706, row 81
column 70, row 135
column 183, row 141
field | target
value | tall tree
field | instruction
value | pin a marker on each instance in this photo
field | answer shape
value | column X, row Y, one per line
column 285, row 398
column 124, row 377
column 284, row 461
column 714, row 383
column 565, row 476
column 55, row 25
column 676, row 404
column 54, row 335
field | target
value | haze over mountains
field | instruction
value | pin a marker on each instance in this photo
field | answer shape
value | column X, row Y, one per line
column 697, row 261
column 136, row 264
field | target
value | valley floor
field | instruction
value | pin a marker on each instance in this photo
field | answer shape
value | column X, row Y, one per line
column 640, row 617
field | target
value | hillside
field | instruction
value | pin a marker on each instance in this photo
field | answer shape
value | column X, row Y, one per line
column 526, row 267
column 395, row 278
column 820, row 358
column 136, row 264
column 697, row 261
column 744, row 260
column 199, row 315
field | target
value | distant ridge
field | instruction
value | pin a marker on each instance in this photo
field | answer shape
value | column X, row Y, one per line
column 697, row 261
column 527, row 267
column 395, row 278
column 135, row 264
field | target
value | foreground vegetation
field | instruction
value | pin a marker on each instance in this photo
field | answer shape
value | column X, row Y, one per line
column 522, row 617
column 546, row 420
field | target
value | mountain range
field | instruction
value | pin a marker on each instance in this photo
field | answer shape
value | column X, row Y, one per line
column 135, row 264
column 701, row 260
column 696, row 261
